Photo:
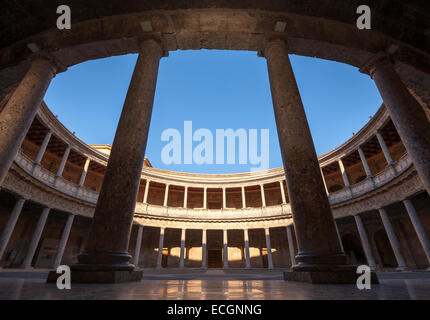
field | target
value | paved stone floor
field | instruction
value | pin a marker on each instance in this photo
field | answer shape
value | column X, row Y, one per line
column 213, row 284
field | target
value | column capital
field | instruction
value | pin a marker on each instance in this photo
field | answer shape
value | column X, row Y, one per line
column 378, row 60
column 38, row 54
column 265, row 47
column 155, row 41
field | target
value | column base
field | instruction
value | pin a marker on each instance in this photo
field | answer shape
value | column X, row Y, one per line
column 113, row 276
column 327, row 277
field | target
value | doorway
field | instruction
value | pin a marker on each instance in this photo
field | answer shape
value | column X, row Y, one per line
column 214, row 258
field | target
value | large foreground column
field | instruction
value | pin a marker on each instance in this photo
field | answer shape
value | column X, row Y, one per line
column 106, row 257
column 18, row 114
column 320, row 258
column 408, row 116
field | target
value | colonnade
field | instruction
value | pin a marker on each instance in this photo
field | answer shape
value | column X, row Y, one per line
column 319, row 248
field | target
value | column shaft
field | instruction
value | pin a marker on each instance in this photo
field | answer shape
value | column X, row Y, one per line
column 10, row 225
column 145, row 196
column 84, row 173
column 42, row 148
column 243, row 198
column 225, row 247
column 114, row 211
column 204, row 251
column 182, row 257
column 394, row 241
column 344, row 174
column 291, row 246
column 19, row 112
column 205, row 197
column 269, row 248
column 224, row 198
column 323, row 179
column 365, row 242
column 63, row 162
column 384, row 148
column 263, row 196
column 166, row 195
column 247, row 257
column 35, row 239
column 138, row 246
column 63, row 240
column 419, row 228
column 281, row 185
column 364, row 162
column 318, row 245
column 160, row 248
column 185, row 197
column 407, row 115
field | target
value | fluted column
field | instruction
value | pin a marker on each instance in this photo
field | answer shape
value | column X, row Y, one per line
column 43, row 147
column 247, row 257
column 406, row 113
column 263, row 196
column 182, row 257
column 269, row 248
column 343, row 172
column 63, row 162
column 365, row 242
column 114, row 211
column 384, row 148
column 318, row 245
column 225, row 247
column 63, row 240
column 160, row 248
column 364, row 162
column 35, row 239
column 84, row 172
column 291, row 246
column 284, row 199
column 138, row 246
column 19, row 112
column 392, row 237
column 243, row 197
column 204, row 251
column 10, row 225
column 418, row 226
column 166, row 195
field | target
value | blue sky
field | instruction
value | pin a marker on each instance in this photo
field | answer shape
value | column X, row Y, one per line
column 215, row 90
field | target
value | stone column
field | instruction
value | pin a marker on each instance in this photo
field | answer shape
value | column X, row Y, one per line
column 419, row 228
column 323, row 179
column 137, row 247
column 205, row 197
column 42, row 148
column 291, row 246
column 10, row 225
column 63, row 240
column 269, row 248
column 243, row 198
column 114, row 211
column 364, row 162
column 338, row 235
column 19, row 112
column 318, row 245
column 84, row 172
column 225, row 247
column 406, row 113
column 224, row 198
column 63, row 162
column 182, row 257
column 160, row 248
column 394, row 241
column 204, row 251
column 263, row 196
column 365, row 242
column 186, row 197
column 166, row 195
column 145, row 196
column 384, row 148
column 281, row 185
column 35, row 239
column 247, row 257
column 344, row 174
